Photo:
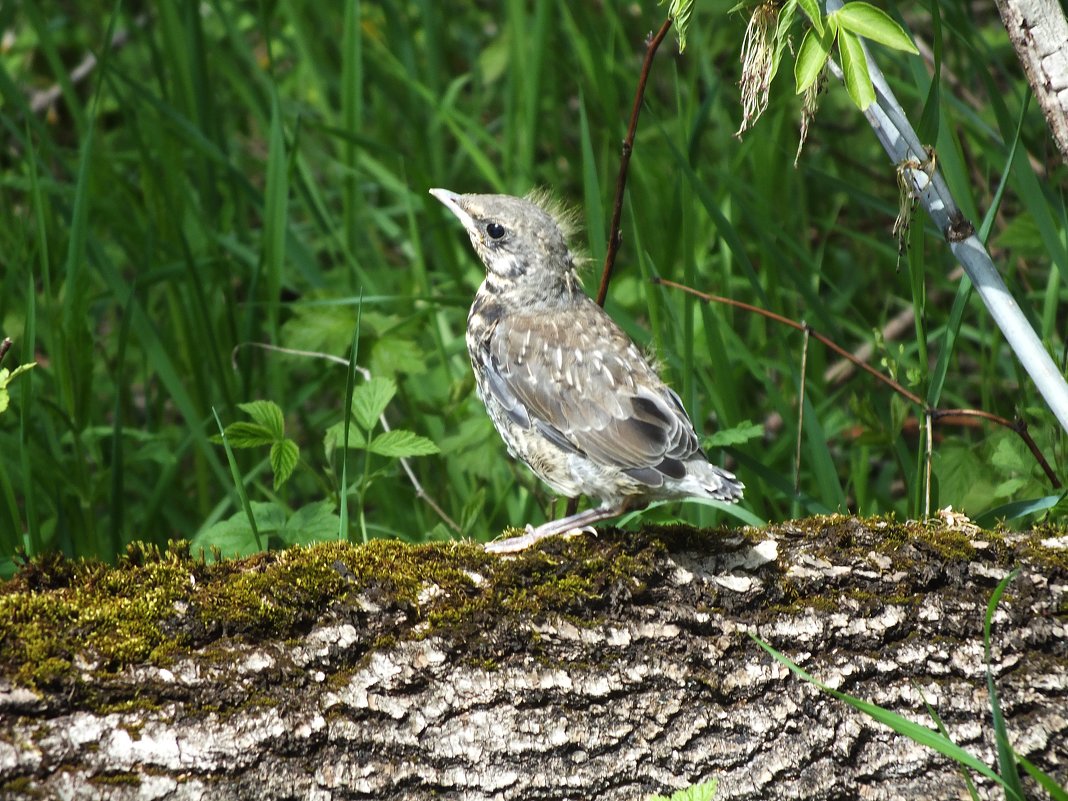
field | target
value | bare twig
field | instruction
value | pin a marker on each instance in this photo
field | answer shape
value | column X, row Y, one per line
column 1018, row 426
column 419, row 491
column 45, row 98
column 842, row 369
column 615, row 236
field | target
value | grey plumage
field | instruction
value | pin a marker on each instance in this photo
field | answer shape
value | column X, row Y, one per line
column 569, row 392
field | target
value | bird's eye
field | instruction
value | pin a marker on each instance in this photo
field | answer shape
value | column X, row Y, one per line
column 495, row 230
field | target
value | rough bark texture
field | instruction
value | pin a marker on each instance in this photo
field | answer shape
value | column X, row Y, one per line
column 612, row 667
column 1039, row 32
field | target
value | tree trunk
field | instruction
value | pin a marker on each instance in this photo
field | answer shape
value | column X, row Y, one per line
column 1039, row 33
column 608, row 667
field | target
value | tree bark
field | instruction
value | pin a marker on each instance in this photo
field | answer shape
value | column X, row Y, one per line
column 1039, row 33
column 608, row 667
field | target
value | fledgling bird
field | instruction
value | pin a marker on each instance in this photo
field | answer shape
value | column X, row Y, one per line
column 566, row 388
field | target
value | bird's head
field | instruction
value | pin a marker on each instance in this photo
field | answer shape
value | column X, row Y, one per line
column 522, row 241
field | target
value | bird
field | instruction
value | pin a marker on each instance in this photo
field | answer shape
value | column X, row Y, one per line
column 567, row 389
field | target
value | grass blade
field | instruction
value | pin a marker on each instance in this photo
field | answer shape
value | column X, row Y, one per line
column 350, row 384
column 902, row 725
column 239, row 485
column 1006, row 755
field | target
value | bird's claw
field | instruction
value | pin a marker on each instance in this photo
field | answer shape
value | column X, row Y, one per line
column 577, row 532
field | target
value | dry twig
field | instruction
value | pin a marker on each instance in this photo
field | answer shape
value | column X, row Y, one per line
column 1018, row 426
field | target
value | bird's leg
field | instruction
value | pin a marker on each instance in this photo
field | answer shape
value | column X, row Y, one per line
column 582, row 521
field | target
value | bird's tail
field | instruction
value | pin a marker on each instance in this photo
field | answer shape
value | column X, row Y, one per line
column 719, row 484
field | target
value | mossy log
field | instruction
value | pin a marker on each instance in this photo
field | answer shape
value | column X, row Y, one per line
column 598, row 667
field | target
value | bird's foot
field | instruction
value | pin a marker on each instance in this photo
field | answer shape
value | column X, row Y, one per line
column 532, row 536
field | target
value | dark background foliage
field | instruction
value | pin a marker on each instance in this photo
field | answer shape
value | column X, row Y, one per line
column 230, row 173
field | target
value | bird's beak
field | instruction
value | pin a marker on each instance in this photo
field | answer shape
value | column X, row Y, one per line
column 452, row 203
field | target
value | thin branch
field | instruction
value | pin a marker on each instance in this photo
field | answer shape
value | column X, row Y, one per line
column 1017, row 426
column 419, row 491
column 44, row 99
column 841, row 370
column 798, row 327
column 615, row 236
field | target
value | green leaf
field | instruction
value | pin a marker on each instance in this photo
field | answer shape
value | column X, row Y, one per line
column 335, row 437
column 6, row 377
column 312, row 523
column 855, row 67
column 5, row 397
column 235, row 536
column 392, row 355
column 319, row 328
column 248, row 435
column 284, row 457
column 680, row 11
column 268, row 414
column 812, row 56
column 782, row 37
column 370, row 399
column 402, row 443
column 1047, row 782
column 232, row 537
column 812, row 11
column 736, row 435
column 1017, row 509
column 873, row 23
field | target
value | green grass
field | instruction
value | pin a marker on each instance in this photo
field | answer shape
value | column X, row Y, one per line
column 232, row 173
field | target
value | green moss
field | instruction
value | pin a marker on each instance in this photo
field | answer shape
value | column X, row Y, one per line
column 116, row 779
column 574, row 579
column 128, row 705
column 1054, row 557
column 155, row 606
column 21, row 786
column 60, row 618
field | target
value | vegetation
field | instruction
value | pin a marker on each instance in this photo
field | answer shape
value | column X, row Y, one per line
column 1009, row 763
column 227, row 175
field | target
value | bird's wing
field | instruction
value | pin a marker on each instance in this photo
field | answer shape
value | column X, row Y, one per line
column 579, row 381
